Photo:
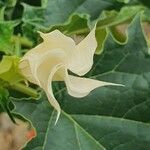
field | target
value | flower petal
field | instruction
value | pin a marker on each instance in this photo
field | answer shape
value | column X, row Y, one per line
column 46, row 63
column 50, row 60
column 56, row 39
column 80, row 87
column 49, row 90
column 82, row 56
column 48, row 66
column 29, row 64
column 52, row 40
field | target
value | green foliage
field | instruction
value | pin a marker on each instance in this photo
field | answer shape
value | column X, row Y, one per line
column 10, row 3
column 109, row 118
column 9, row 76
column 9, row 71
column 6, row 32
column 64, row 15
column 58, row 12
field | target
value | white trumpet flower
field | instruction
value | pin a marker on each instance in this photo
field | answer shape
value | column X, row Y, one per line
column 51, row 60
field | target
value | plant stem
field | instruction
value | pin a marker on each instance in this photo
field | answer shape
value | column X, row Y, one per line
column 17, row 46
column 26, row 90
column 23, row 41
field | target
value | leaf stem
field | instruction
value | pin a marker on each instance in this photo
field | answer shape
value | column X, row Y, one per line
column 23, row 41
column 25, row 89
column 17, row 46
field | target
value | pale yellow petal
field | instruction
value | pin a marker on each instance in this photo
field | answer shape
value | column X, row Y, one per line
column 28, row 66
column 50, row 60
column 52, row 40
column 29, row 63
column 46, row 83
column 42, row 70
column 49, row 90
column 82, row 56
column 57, row 40
column 80, row 87
column 48, row 67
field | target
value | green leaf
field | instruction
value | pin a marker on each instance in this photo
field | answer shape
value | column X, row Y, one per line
column 123, row 1
column 10, row 3
column 72, row 135
column 78, row 22
column 9, row 70
column 145, row 2
column 81, row 131
column 62, row 13
column 110, row 19
column 51, row 14
column 108, row 118
column 6, row 32
column 115, row 133
column 10, row 77
column 127, row 64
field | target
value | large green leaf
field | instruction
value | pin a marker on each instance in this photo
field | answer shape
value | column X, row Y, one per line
column 77, row 21
column 67, row 134
column 83, row 132
column 115, row 133
column 58, row 12
column 127, row 64
column 108, row 118
column 65, row 15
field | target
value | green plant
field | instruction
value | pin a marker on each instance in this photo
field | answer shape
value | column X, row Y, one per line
column 111, row 118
